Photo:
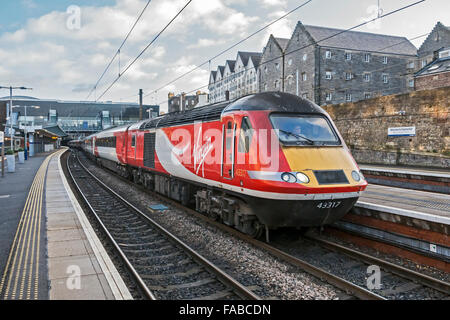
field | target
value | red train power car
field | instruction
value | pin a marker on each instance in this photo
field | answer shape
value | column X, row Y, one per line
column 266, row 160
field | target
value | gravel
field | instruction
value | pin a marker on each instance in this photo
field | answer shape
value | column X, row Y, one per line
column 261, row 272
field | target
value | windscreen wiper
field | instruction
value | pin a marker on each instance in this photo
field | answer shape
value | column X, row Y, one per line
column 297, row 136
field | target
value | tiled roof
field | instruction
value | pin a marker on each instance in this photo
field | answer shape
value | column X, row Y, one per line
column 355, row 40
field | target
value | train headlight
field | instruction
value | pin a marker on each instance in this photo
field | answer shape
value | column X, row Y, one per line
column 355, row 176
column 288, row 177
column 361, row 175
column 302, row 178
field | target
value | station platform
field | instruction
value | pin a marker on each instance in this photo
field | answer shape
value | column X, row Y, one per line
column 427, row 206
column 424, row 179
column 55, row 254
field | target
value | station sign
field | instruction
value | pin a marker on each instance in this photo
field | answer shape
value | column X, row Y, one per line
column 402, row 132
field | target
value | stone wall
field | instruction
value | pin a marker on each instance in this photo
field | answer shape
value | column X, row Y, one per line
column 364, row 126
column 432, row 81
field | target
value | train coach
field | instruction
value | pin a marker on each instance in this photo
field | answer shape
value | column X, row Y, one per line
column 264, row 161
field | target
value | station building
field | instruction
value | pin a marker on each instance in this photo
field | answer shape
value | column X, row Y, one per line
column 64, row 120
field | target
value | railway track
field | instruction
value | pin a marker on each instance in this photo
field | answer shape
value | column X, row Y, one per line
column 405, row 280
column 162, row 266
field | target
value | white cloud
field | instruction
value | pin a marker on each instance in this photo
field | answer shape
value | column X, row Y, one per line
column 204, row 43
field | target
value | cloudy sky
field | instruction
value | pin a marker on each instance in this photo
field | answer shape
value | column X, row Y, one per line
column 42, row 46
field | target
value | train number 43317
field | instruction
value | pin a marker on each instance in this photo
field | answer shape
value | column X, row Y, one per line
column 328, row 204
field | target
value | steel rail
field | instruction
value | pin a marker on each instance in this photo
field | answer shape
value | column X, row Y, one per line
column 403, row 272
column 347, row 286
column 237, row 287
column 139, row 281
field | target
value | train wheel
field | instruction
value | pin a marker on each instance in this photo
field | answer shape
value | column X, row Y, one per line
column 256, row 230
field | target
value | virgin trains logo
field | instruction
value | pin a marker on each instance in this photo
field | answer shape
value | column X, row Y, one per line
column 204, row 147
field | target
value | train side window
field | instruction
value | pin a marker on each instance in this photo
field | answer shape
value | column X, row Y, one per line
column 245, row 135
column 229, row 134
column 133, row 141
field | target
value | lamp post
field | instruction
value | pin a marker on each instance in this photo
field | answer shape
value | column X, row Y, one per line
column 11, row 108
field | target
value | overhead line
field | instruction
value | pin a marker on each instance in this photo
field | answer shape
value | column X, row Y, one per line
column 229, row 48
column 118, row 50
column 143, row 51
column 326, row 38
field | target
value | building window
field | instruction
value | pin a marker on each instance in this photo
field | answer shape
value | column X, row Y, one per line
column 277, row 65
column 265, row 70
column 328, row 75
column 304, row 76
column 411, row 65
column 385, row 60
column 366, row 57
column 290, row 62
column 265, row 87
column 385, row 78
column 305, row 96
column 367, row 77
column 348, row 56
column 348, row 97
column 411, row 83
column 348, row 76
column 328, row 54
column 328, row 96
column 424, row 62
column 305, row 56
column 276, row 84
column 367, row 95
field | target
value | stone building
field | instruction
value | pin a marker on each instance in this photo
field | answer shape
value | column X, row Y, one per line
column 438, row 39
column 236, row 79
column 435, row 74
column 272, row 64
column 330, row 66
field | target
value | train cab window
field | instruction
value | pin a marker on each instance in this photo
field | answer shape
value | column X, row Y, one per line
column 245, row 135
column 133, row 141
column 304, row 130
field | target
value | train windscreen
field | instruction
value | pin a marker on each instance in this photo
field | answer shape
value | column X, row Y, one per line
column 304, row 130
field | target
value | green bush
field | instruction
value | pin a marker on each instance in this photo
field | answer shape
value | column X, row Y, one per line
column 20, row 150
column 10, row 152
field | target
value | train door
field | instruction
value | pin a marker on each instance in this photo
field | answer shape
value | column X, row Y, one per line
column 228, row 155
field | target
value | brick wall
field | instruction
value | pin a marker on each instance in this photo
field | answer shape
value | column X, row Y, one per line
column 364, row 126
column 432, row 81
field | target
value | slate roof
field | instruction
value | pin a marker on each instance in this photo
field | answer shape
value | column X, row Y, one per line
column 221, row 69
column 214, row 73
column 355, row 40
column 231, row 63
column 437, row 66
column 245, row 56
column 256, row 60
column 282, row 42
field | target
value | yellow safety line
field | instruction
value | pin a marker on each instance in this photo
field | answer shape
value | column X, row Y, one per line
column 28, row 233
column 36, row 279
column 33, row 223
column 18, row 234
column 29, row 227
column 24, row 226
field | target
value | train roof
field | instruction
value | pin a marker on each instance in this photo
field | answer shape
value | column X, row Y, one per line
column 272, row 101
column 275, row 102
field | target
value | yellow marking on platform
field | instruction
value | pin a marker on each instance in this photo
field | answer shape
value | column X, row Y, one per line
column 26, row 244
